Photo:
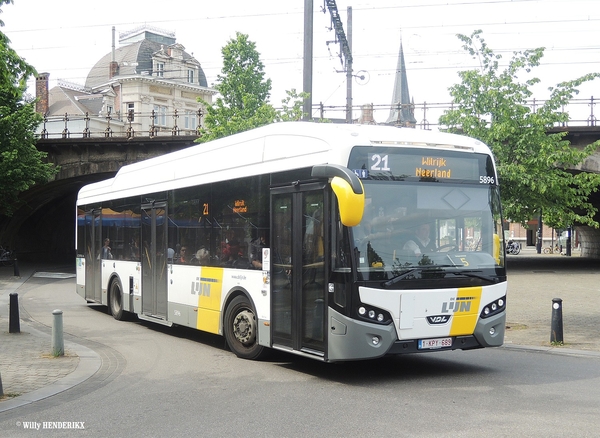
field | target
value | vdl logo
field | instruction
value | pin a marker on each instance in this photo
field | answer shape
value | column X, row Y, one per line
column 438, row 319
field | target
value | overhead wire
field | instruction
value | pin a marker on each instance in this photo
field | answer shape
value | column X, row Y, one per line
column 212, row 66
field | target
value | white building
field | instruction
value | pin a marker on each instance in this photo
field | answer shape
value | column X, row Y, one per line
column 148, row 86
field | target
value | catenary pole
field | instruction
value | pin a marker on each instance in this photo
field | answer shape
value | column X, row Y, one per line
column 308, row 59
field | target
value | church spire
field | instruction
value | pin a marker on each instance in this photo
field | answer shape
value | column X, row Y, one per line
column 402, row 110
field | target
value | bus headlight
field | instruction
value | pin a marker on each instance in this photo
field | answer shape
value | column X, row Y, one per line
column 373, row 314
column 494, row 307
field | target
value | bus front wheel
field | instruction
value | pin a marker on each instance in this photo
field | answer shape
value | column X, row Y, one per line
column 116, row 300
column 241, row 329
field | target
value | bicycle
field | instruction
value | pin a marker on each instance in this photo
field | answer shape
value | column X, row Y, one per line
column 513, row 247
column 551, row 250
column 6, row 257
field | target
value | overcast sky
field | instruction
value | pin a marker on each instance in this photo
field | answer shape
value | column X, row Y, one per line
column 66, row 37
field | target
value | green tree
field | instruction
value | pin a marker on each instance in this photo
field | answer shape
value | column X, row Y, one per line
column 292, row 106
column 21, row 164
column 533, row 165
column 244, row 91
column 2, row 2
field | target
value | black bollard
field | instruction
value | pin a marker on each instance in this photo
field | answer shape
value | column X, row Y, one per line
column 556, row 330
column 14, row 326
column 16, row 272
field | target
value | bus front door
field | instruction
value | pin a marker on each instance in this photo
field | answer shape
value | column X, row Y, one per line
column 154, row 260
column 299, row 298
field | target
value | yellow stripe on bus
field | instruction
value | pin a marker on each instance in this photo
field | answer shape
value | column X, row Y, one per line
column 466, row 311
column 209, row 299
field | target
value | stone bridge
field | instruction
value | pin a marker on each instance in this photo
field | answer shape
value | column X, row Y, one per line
column 43, row 229
column 581, row 136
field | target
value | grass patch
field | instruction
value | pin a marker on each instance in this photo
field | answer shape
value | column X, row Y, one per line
column 515, row 326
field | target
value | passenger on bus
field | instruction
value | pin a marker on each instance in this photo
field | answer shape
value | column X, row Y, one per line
column 257, row 246
column 421, row 242
column 183, row 257
column 106, row 251
column 231, row 251
column 134, row 248
column 202, row 257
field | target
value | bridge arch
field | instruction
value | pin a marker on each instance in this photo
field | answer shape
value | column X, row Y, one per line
column 43, row 228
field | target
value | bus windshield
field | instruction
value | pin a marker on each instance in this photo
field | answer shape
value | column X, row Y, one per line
column 413, row 227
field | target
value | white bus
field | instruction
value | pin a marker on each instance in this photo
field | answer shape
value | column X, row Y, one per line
column 307, row 238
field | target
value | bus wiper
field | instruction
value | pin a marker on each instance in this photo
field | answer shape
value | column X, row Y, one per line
column 412, row 271
column 401, row 277
column 472, row 273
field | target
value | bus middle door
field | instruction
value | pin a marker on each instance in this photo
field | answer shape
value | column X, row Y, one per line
column 154, row 260
column 299, row 298
column 93, row 262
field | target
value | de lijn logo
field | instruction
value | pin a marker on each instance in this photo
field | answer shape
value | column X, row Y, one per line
column 455, row 305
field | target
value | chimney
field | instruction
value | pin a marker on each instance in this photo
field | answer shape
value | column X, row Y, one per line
column 113, row 67
column 41, row 93
column 366, row 116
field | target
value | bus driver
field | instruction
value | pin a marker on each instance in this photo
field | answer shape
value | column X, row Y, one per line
column 421, row 242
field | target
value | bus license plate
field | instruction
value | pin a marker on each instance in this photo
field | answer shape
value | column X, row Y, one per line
column 435, row 343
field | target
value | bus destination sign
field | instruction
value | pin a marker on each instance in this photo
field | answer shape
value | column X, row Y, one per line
column 433, row 168
column 401, row 163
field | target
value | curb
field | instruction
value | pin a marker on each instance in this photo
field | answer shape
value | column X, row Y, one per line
column 89, row 364
column 563, row 351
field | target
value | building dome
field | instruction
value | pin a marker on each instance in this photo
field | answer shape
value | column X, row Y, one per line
column 137, row 59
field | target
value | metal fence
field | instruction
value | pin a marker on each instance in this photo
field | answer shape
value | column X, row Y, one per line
column 156, row 124
column 134, row 124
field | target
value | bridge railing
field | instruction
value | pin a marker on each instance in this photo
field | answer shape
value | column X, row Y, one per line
column 133, row 124
column 162, row 124
column 427, row 114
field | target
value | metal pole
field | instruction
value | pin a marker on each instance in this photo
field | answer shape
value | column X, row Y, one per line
column 58, row 342
column 556, row 330
column 16, row 271
column 540, row 235
column 569, row 233
column 349, row 70
column 14, row 326
column 308, row 59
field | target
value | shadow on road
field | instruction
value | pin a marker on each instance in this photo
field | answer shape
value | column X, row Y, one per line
column 543, row 262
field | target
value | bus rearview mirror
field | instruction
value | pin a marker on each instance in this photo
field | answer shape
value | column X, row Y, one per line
column 352, row 205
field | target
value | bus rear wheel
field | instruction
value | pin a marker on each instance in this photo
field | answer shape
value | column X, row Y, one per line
column 241, row 329
column 115, row 304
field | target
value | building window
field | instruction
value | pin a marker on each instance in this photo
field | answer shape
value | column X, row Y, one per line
column 160, row 113
column 190, row 77
column 189, row 120
column 160, row 69
column 131, row 111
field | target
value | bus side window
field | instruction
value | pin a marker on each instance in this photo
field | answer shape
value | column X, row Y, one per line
column 341, row 249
